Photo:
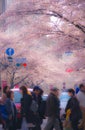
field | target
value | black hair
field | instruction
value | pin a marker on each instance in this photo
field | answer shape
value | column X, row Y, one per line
column 24, row 89
column 36, row 88
column 81, row 86
column 71, row 91
column 9, row 94
column 4, row 89
column 41, row 92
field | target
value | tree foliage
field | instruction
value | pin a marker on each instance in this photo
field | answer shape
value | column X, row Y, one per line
column 43, row 31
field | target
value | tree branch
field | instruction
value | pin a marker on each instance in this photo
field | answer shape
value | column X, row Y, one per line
column 44, row 12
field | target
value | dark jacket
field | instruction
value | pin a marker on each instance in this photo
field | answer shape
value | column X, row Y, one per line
column 9, row 106
column 11, row 111
column 38, row 116
column 3, row 112
column 26, row 101
column 52, row 106
column 38, row 99
column 73, row 105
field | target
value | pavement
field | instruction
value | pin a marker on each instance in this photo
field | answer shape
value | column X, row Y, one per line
column 42, row 126
column 44, row 123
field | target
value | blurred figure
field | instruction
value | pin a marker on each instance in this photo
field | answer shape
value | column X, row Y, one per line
column 76, row 88
column 64, row 87
column 5, row 91
column 37, row 97
column 4, row 94
column 3, row 111
column 74, row 108
column 11, row 110
column 26, row 101
column 53, row 110
column 81, row 99
column 3, row 114
column 41, row 105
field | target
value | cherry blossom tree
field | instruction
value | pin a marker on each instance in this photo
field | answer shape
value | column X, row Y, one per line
column 51, row 35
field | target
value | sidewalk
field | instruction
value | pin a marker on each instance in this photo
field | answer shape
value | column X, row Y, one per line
column 43, row 125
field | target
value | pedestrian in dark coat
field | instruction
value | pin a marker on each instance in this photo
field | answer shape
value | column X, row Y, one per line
column 11, row 111
column 53, row 110
column 73, row 106
column 37, row 97
column 26, row 101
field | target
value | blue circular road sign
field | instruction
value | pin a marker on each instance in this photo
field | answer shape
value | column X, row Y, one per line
column 10, row 51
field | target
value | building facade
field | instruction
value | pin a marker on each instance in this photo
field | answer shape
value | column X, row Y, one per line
column 4, row 4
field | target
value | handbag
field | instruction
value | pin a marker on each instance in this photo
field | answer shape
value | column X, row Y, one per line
column 67, row 125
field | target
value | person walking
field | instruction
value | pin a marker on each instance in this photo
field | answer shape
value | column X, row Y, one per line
column 81, row 99
column 11, row 111
column 75, row 111
column 26, row 102
column 53, row 110
column 36, row 96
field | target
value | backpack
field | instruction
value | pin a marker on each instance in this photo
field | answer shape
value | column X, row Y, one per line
column 34, row 106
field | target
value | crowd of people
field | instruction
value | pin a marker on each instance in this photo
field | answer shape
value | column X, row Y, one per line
column 34, row 110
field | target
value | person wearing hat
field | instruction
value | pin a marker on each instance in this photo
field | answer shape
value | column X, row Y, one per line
column 53, row 110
